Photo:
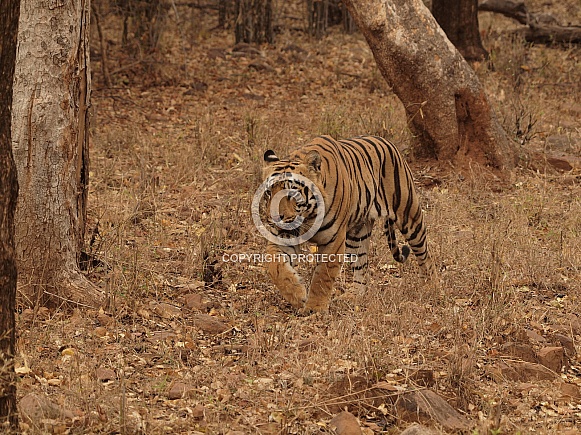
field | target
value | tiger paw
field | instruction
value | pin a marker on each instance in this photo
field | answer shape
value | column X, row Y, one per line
column 296, row 296
column 316, row 305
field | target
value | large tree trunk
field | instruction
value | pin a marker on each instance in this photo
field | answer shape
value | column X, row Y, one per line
column 50, row 144
column 459, row 19
column 9, row 11
column 447, row 109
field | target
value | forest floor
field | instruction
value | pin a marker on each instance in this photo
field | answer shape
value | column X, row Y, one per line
column 195, row 342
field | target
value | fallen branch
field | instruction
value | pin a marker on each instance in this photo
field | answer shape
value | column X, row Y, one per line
column 515, row 10
column 542, row 28
column 551, row 34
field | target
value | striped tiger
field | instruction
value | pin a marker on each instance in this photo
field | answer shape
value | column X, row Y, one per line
column 347, row 185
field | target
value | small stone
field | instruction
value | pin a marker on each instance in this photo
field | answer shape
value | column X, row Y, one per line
column 559, row 163
column 570, row 391
column 214, row 53
column 180, row 390
column 104, row 374
column 104, row 319
column 558, row 142
column 523, row 371
column 345, row 423
column 535, row 336
column 260, row 65
column 36, row 407
column 371, row 428
column 194, row 302
column 209, row 324
column 166, row 311
column 424, row 378
column 426, row 405
column 567, row 343
column 100, row 331
column 176, row 391
column 521, row 351
column 199, row 411
column 553, row 358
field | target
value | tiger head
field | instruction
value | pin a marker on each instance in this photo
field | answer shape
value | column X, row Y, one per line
column 293, row 199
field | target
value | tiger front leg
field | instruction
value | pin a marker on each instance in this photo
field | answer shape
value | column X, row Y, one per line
column 285, row 277
column 324, row 276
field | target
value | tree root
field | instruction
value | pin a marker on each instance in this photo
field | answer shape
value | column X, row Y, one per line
column 68, row 289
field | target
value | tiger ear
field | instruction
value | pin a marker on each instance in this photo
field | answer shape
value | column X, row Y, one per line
column 313, row 160
column 270, row 157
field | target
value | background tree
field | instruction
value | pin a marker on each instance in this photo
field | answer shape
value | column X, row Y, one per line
column 144, row 19
column 254, row 21
column 318, row 17
column 50, row 146
column 324, row 13
column 9, row 11
column 448, row 111
column 459, row 19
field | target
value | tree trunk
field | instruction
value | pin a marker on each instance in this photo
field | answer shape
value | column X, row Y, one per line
column 459, row 19
column 318, row 17
column 448, row 112
column 9, row 11
column 225, row 13
column 50, row 144
column 254, row 21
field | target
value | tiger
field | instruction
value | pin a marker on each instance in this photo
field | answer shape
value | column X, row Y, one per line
column 347, row 185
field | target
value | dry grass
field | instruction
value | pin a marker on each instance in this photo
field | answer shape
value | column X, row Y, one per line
column 173, row 173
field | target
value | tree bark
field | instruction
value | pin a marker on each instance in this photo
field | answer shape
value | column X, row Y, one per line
column 50, row 144
column 9, row 12
column 448, row 112
column 459, row 19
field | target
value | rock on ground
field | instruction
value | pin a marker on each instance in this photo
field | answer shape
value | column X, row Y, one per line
column 345, row 423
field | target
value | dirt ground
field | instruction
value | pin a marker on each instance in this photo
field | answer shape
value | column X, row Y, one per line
column 197, row 342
